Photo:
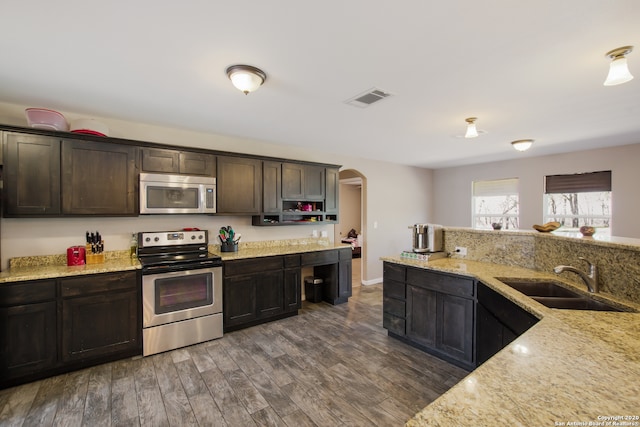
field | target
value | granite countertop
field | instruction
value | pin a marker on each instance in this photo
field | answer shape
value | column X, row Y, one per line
column 48, row 271
column 257, row 251
column 573, row 366
column 52, row 266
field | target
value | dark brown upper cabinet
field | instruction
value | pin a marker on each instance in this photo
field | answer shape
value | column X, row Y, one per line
column 332, row 197
column 179, row 162
column 47, row 176
column 271, row 187
column 31, row 175
column 99, row 178
column 239, row 185
column 303, row 182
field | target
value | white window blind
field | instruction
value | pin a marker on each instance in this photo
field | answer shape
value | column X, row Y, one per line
column 497, row 187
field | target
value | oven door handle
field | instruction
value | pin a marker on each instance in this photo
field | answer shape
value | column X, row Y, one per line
column 159, row 269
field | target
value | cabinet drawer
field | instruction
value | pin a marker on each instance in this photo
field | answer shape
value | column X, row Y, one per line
column 345, row 254
column 319, row 258
column 440, row 282
column 393, row 289
column 291, row 261
column 394, row 272
column 253, row 265
column 98, row 283
column 27, row 292
column 393, row 306
column 393, row 324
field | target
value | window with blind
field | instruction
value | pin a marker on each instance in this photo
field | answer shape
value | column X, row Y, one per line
column 495, row 204
column 578, row 200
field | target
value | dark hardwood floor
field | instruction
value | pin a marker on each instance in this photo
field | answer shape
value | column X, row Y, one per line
column 328, row 366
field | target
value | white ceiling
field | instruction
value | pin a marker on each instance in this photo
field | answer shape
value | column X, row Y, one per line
column 526, row 69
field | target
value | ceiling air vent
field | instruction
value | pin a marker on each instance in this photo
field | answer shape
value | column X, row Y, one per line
column 367, row 98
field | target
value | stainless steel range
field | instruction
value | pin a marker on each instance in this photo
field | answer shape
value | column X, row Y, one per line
column 181, row 290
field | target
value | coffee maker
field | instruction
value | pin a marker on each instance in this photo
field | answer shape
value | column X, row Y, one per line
column 427, row 238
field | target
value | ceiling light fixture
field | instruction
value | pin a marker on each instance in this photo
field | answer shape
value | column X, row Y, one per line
column 522, row 144
column 246, row 78
column 472, row 132
column 618, row 69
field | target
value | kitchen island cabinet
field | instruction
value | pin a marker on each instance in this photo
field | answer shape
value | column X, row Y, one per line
column 439, row 311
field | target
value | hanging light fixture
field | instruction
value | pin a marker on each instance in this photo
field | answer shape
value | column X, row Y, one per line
column 522, row 144
column 472, row 132
column 246, row 78
column 618, row 69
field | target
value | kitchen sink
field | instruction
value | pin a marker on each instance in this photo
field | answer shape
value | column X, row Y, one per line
column 553, row 295
column 540, row 288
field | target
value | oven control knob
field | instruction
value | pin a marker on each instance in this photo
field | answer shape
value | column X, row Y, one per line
column 156, row 239
column 148, row 239
column 201, row 237
column 193, row 237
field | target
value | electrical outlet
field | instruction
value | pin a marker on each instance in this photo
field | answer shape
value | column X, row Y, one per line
column 462, row 251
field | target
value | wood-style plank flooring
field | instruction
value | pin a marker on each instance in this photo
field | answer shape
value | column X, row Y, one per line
column 328, row 366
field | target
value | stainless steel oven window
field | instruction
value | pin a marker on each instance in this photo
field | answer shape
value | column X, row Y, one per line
column 183, row 292
column 172, row 197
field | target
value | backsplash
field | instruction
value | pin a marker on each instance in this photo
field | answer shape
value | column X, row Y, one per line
column 618, row 263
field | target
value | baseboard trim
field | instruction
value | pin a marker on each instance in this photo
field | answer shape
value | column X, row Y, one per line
column 372, row 281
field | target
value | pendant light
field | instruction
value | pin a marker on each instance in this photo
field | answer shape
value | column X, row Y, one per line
column 618, row 69
column 522, row 144
column 472, row 132
column 246, row 78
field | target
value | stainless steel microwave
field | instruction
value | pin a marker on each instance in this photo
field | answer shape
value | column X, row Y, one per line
column 177, row 194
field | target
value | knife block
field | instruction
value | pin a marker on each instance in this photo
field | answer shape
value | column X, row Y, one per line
column 93, row 258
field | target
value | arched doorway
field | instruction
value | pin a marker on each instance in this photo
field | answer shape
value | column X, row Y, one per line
column 353, row 216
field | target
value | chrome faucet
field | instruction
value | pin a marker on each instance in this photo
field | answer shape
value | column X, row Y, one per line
column 591, row 279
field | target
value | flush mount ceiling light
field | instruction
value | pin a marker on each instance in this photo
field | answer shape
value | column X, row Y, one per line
column 618, row 69
column 472, row 132
column 246, row 78
column 522, row 144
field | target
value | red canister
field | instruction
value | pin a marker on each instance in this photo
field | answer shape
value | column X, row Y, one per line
column 75, row 255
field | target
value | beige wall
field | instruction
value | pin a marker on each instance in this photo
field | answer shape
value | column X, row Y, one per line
column 452, row 186
column 350, row 209
column 397, row 196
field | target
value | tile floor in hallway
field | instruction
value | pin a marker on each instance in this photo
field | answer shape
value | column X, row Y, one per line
column 328, row 366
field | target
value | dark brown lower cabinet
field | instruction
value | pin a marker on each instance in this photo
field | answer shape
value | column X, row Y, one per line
column 254, row 292
column 499, row 321
column 432, row 311
column 53, row 326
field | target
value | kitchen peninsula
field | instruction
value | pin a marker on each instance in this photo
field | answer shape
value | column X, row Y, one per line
column 571, row 366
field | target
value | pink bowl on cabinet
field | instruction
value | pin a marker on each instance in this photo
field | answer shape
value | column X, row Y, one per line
column 41, row 118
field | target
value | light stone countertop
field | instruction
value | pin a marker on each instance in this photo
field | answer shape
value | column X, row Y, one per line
column 53, row 266
column 37, row 271
column 258, row 251
column 573, row 366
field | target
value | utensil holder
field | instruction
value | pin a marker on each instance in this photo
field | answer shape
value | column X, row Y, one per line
column 228, row 247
